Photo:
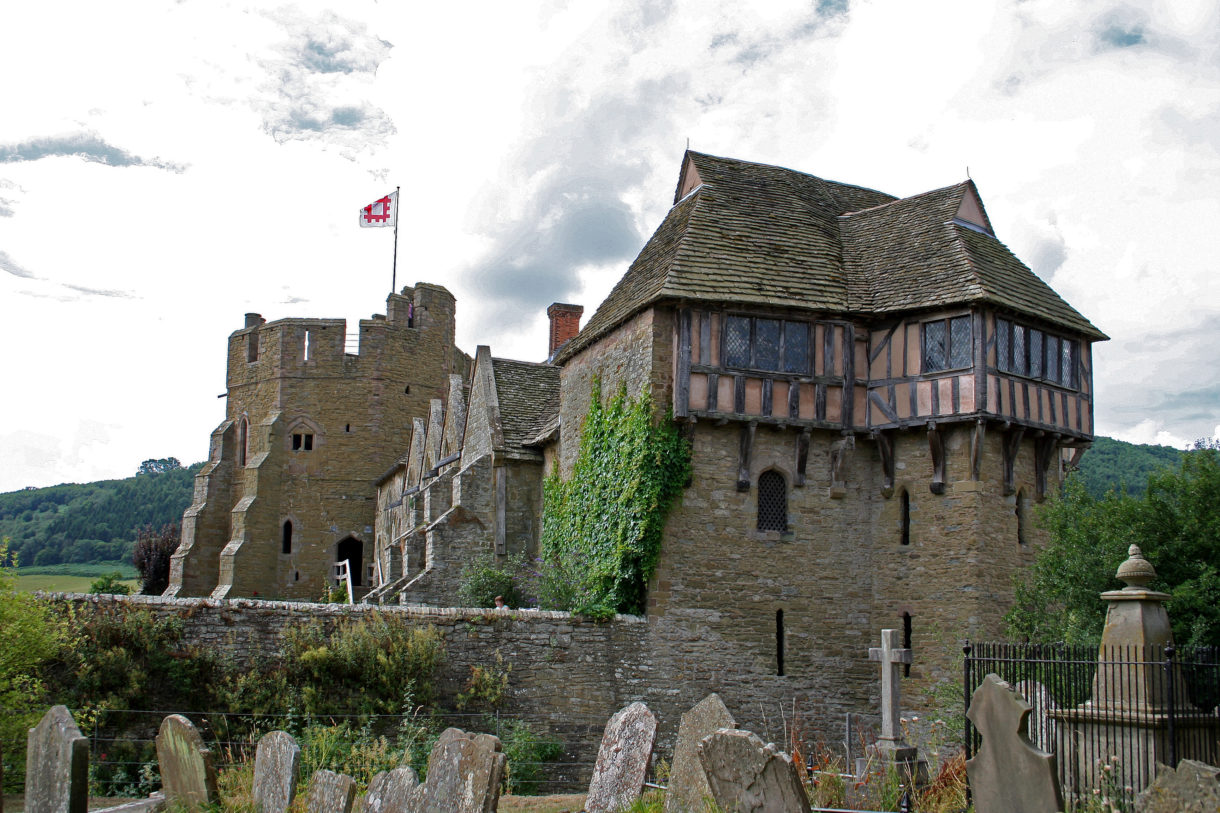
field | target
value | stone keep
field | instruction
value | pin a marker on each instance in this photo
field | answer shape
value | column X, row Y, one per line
column 310, row 423
column 56, row 765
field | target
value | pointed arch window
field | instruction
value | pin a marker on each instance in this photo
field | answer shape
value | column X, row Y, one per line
column 243, row 441
column 772, row 502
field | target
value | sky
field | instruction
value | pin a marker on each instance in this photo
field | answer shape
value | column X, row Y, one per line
column 166, row 167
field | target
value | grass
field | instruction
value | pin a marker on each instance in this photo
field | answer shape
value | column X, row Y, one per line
column 72, row 578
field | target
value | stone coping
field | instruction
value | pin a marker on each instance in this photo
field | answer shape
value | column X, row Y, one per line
column 318, row 608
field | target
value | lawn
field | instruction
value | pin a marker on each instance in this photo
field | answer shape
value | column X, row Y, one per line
column 74, row 578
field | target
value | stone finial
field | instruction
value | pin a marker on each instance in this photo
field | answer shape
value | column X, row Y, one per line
column 1136, row 571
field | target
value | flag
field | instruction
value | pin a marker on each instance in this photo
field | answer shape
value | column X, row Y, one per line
column 382, row 212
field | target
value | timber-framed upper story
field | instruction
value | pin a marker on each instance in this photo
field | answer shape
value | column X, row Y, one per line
column 815, row 304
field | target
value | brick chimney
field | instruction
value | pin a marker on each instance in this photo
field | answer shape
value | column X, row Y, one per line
column 565, row 324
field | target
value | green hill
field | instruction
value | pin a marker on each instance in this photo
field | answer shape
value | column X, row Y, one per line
column 93, row 522
column 1114, row 465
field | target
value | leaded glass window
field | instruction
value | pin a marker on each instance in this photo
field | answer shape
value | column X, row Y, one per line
column 737, row 341
column 934, row 346
column 766, row 344
column 772, row 502
column 1067, row 372
column 959, row 342
column 1003, row 338
column 1035, row 353
column 796, row 347
column 1019, row 365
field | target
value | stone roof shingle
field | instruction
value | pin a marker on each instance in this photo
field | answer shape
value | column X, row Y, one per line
column 529, row 399
column 753, row 234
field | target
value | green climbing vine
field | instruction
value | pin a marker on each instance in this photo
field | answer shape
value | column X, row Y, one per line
column 601, row 529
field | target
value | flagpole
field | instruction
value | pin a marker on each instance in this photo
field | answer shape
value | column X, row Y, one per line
column 394, row 274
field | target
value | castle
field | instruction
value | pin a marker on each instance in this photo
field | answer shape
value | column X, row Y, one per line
column 875, row 390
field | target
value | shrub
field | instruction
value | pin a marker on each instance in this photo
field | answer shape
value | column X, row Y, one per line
column 151, row 556
column 110, row 583
column 487, row 576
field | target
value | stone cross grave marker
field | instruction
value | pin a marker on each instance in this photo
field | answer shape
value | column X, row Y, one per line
column 56, row 765
column 622, row 759
column 892, row 656
column 330, row 792
column 391, row 792
column 687, row 781
column 188, row 777
column 747, row 776
column 1008, row 774
column 277, row 762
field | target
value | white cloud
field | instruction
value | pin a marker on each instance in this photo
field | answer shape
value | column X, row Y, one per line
column 520, row 133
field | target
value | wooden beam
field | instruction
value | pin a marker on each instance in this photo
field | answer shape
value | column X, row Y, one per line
column 682, row 385
column 976, row 449
column 936, row 445
column 840, row 450
column 743, row 456
column 885, row 445
column 802, row 457
column 1012, row 445
column 1044, row 452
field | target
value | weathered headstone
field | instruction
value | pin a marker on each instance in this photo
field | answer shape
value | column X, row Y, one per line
column 150, row 804
column 748, row 776
column 1193, row 788
column 1042, row 703
column 390, row 792
column 1008, row 774
column 464, row 773
column 188, row 777
column 330, row 792
column 277, row 763
column 687, row 781
column 622, row 759
column 56, row 765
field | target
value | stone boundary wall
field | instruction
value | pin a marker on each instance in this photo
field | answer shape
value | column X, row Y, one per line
column 569, row 674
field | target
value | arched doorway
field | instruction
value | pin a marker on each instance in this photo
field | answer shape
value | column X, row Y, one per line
column 352, row 550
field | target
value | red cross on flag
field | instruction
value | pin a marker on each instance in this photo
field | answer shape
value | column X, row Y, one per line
column 382, row 212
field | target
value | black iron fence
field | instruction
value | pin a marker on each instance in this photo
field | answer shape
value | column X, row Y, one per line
column 1109, row 715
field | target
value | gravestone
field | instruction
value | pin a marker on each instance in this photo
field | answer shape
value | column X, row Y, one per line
column 56, row 765
column 1008, row 774
column 277, row 763
column 622, row 759
column 330, row 792
column 188, row 777
column 890, row 747
column 391, row 792
column 1193, row 788
column 687, row 782
column 748, row 776
column 1043, row 728
column 464, row 773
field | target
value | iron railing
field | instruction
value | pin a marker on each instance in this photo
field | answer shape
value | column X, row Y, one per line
column 1109, row 715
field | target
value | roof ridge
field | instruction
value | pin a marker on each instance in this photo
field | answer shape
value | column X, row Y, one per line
column 907, row 199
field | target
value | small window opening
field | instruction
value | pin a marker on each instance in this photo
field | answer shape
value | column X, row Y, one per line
column 296, row 575
column 779, row 642
column 1022, row 519
column 309, row 443
column 286, row 541
column 772, row 502
column 302, row 442
column 243, row 438
column 407, row 389
column 906, row 641
column 906, row 517
column 252, row 347
column 347, row 428
column 308, row 346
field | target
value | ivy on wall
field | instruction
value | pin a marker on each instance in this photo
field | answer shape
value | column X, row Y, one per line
column 602, row 528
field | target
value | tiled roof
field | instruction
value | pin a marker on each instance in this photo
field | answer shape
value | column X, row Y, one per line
column 529, row 399
column 764, row 235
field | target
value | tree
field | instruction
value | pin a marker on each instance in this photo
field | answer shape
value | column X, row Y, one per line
column 159, row 465
column 32, row 635
column 153, row 550
column 1176, row 523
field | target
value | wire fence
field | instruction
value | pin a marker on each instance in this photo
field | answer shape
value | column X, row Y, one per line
column 1109, row 715
column 543, row 757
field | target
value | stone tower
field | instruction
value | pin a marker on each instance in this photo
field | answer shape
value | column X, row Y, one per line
column 288, row 488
